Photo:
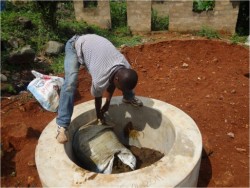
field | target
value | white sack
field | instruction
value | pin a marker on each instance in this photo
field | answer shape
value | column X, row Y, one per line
column 46, row 89
column 95, row 147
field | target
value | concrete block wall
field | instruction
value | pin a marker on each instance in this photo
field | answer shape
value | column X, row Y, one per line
column 162, row 7
column 99, row 15
column 139, row 15
column 222, row 18
column 181, row 17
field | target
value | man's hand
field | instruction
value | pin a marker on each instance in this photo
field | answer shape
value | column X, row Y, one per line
column 105, row 107
column 100, row 111
column 103, row 111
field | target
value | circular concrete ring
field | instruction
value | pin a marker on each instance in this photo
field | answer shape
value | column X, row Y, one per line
column 161, row 126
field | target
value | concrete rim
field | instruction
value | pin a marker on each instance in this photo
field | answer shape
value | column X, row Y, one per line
column 56, row 169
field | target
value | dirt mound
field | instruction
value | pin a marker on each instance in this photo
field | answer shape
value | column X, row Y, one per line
column 206, row 79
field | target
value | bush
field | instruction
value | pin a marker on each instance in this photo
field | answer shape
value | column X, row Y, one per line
column 48, row 10
column 236, row 38
column 158, row 23
column 208, row 32
column 203, row 5
column 118, row 10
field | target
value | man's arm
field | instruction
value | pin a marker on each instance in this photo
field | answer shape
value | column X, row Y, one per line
column 98, row 105
column 110, row 91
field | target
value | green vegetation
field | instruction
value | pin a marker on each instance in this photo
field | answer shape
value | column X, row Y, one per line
column 66, row 26
column 236, row 38
column 158, row 23
column 118, row 11
column 208, row 32
column 48, row 11
column 10, row 89
column 57, row 65
column 203, row 5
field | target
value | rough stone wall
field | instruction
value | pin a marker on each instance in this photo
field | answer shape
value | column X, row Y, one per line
column 99, row 15
column 222, row 18
column 139, row 15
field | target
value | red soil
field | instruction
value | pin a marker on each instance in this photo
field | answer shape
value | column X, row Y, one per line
column 209, row 80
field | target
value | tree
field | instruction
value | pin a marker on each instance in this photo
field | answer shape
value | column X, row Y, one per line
column 48, row 11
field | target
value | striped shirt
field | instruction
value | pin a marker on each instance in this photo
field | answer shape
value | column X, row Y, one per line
column 100, row 57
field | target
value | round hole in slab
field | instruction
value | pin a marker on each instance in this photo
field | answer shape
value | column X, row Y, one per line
column 153, row 130
column 166, row 129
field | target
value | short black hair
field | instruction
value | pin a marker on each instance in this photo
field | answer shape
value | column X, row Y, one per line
column 128, row 79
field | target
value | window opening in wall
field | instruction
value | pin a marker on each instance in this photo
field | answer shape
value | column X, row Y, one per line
column 90, row 3
column 158, row 1
column 203, row 5
column 242, row 26
column 118, row 11
column 158, row 23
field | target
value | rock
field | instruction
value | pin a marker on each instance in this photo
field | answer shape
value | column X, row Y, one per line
column 215, row 60
column 123, row 46
column 13, row 174
column 233, row 91
column 3, row 78
column 185, row 65
column 6, row 73
column 23, row 56
column 15, row 76
column 30, row 180
column 54, row 48
column 241, row 149
column 25, row 22
column 15, row 42
column 31, row 163
column 221, row 97
column 230, row 134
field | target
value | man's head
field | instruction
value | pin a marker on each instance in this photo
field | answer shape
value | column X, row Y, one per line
column 125, row 79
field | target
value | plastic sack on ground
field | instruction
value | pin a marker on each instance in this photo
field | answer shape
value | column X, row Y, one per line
column 96, row 146
column 46, row 89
